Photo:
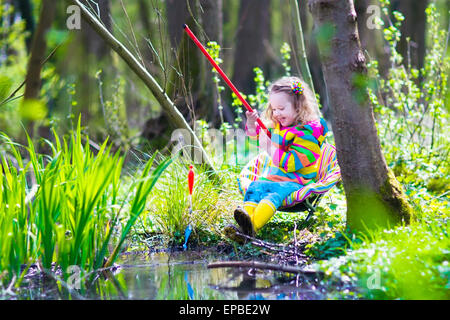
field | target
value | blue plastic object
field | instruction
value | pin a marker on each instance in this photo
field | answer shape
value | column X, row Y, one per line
column 187, row 233
column 190, row 290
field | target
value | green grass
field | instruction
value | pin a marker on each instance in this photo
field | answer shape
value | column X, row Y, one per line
column 81, row 209
column 405, row 262
column 212, row 204
column 77, row 212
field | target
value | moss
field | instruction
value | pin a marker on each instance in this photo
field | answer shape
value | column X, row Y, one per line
column 439, row 185
column 392, row 193
column 369, row 210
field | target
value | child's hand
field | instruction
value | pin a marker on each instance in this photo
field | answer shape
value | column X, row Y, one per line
column 252, row 117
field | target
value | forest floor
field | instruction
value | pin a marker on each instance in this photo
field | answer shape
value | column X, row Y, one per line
column 371, row 263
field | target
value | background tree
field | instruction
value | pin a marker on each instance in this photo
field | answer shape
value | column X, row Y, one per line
column 100, row 98
column 374, row 197
column 314, row 61
column 36, row 60
column 250, row 51
column 413, row 27
column 188, row 80
column 205, row 19
column 25, row 8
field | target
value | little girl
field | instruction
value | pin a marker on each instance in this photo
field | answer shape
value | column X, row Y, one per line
column 297, row 132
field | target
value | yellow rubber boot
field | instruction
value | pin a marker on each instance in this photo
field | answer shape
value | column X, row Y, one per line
column 244, row 220
column 250, row 207
column 262, row 214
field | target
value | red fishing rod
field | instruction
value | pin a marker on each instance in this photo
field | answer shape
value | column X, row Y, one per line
column 223, row 75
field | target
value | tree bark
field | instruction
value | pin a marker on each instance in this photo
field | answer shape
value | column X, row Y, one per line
column 37, row 55
column 413, row 27
column 249, row 51
column 374, row 197
column 39, row 46
column 91, row 40
column 213, row 26
column 146, row 21
column 371, row 39
column 205, row 19
column 94, row 54
column 314, row 60
column 26, row 11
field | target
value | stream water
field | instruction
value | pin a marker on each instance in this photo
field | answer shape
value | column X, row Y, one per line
column 184, row 275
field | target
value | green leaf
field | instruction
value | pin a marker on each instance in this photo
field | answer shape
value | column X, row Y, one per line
column 33, row 110
column 5, row 86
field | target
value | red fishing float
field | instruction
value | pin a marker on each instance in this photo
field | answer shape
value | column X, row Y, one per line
column 191, row 179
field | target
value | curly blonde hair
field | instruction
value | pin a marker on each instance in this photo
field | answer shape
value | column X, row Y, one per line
column 304, row 104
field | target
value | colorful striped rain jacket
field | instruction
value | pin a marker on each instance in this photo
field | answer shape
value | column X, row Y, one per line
column 297, row 150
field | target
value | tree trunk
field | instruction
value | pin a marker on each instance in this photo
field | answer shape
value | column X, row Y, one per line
column 249, row 52
column 37, row 55
column 149, row 30
column 196, row 83
column 314, row 60
column 39, row 46
column 371, row 38
column 374, row 197
column 213, row 25
column 205, row 19
column 413, row 27
column 93, row 43
column 26, row 11
column 361, row 12
column 95, row 55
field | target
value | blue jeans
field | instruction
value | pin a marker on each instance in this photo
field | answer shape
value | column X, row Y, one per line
column 275, row 192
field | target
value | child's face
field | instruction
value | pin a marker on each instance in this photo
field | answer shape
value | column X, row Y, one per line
column 282, row 108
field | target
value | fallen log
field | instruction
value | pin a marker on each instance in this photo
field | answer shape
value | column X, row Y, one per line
column 262, row 266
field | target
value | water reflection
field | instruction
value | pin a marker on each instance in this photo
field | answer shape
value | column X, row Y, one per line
column 183, row 275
